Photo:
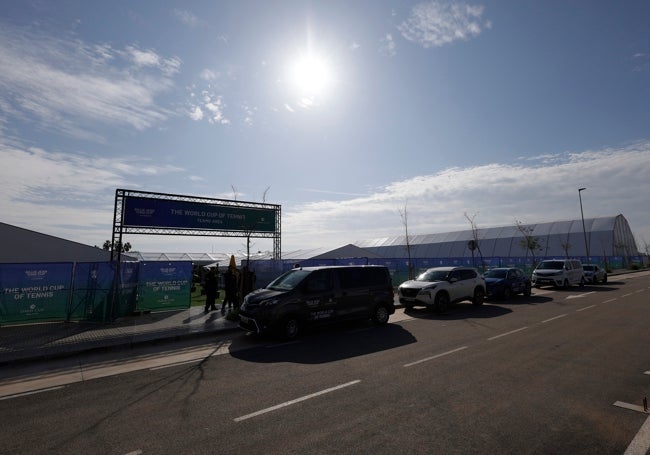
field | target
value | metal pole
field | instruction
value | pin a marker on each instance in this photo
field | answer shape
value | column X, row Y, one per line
column 584, row 231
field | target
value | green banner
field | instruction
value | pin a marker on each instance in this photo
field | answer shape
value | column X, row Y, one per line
column 164, row 285
column 34, row 292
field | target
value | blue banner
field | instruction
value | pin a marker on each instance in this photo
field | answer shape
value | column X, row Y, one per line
column 165, row 285
column 34, row 292
column 166, row 213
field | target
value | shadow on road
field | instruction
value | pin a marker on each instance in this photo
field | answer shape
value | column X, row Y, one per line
column 329, row 344
column 459, row 311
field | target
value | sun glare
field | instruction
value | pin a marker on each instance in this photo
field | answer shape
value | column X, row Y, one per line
column 311, row 77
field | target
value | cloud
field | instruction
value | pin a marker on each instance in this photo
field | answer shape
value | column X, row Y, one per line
column 436, row 23
column 53, row 189
column 186, row 17
column 616, row 181
column 388, row 46
column 68, row 86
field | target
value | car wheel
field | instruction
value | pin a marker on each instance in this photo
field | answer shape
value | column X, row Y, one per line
column 381, row 315
column 507, row 293
column 527, row 290
column 442, row 302
column 479, row 296
column 289, row 328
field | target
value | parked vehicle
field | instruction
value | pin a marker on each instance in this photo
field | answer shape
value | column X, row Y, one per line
column 504, row 282
column 317, row 295
column 594, row 273
column 438, row 287
column 558, row 272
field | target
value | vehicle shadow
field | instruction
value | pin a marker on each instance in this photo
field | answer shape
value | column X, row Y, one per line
column 459, row 311
column 520, row 300
column 329, row 344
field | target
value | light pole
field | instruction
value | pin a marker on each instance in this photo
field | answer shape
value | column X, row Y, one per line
column 584, row 231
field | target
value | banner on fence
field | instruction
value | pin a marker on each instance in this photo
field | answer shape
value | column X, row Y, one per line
column 34, row 292
column 93, row 282
column 164, row 285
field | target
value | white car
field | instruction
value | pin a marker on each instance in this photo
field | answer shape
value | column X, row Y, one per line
column 438, row 287
column 594, row 273
column 560, row 273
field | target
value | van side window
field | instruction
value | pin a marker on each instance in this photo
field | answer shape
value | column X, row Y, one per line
column 318, row 281
column 373, row 276
column 349, row 277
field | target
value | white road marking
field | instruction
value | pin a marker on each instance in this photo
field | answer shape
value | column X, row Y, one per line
column 297, row 400
column 187, row 362
column 610, row 300
column 640, row 445
column 632, row 407
column 579, row 296
column 435, row 356
column 586, row 308
column 627, row 295
column 31, row 392
column 507, row 333
column 553, row 319
column 646, row 372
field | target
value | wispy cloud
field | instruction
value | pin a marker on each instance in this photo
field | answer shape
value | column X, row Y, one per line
column 438, row 23
column 186, row 17
column 616, row 183
column 387, row 45
column 66, row 85
column 53, row 188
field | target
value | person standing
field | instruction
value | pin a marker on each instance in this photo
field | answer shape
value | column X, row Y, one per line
column 230, row 283
column 211, row 287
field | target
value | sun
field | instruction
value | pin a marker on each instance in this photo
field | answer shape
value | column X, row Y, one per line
column 311, row 77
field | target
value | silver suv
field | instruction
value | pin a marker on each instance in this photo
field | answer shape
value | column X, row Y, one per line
column 438, row 287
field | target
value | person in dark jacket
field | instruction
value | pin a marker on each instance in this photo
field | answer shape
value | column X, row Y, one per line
column 211, row 287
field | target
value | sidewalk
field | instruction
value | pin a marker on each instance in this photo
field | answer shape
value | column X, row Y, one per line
column 56, row 339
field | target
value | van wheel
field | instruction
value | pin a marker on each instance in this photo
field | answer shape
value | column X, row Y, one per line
column 479, row 296
column 442, row 302
column 381, row 315
column 289, row 328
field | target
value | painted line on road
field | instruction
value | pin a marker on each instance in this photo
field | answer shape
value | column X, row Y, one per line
column 507, row 333
column 633, row 407
column 297, row 400
column 640, row 445
column 586, row 308
column 627, row 295
column 33, row 392
column 610, row 300
column 646, row 372
column 435, row 356
column 553, row 319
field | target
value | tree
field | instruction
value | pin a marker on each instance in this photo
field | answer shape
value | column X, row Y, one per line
column 404, row 215
column 474, row 244
column 529, row 242
column 108, row 246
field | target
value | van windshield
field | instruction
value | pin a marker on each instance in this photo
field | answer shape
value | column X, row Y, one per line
column 551, row 265
column 288, row 281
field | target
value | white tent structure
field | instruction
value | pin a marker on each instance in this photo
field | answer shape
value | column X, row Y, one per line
column 605, row 237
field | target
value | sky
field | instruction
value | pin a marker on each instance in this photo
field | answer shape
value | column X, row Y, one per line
column 349, row 114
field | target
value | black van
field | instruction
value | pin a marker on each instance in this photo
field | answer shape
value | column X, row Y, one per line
column 316, row 295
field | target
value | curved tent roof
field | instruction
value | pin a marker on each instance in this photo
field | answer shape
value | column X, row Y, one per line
column 606, row 236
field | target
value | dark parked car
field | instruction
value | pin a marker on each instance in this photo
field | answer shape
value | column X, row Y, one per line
column 317, row 295
column 506, row 281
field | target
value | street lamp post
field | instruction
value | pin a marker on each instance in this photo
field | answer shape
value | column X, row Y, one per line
column 584, row 231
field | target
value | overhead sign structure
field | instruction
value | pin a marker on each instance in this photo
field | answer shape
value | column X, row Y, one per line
column 142, row 212
column 174, row 214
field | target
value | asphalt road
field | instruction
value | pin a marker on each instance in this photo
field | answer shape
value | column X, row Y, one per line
column 562, row 371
